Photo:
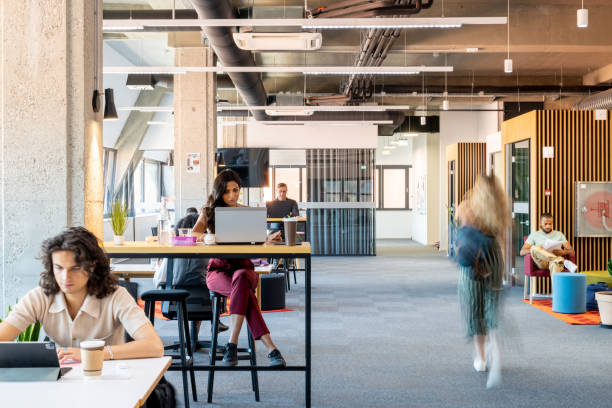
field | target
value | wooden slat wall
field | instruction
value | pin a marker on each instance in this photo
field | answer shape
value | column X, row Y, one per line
column 582, row 152
column 471, row 161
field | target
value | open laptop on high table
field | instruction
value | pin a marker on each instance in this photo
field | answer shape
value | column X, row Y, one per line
column 30, row 361
column 240, row 225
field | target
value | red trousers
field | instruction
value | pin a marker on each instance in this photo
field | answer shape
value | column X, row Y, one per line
column 239, row 286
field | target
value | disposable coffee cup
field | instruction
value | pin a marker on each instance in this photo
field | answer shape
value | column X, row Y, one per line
column 92, row 357
column 290, row 231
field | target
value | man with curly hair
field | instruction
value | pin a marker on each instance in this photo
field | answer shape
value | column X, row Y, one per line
column 79, row 299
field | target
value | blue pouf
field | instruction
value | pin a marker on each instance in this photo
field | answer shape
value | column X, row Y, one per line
column 569, row 292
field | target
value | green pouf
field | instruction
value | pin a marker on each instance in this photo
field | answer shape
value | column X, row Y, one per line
column 598, row 276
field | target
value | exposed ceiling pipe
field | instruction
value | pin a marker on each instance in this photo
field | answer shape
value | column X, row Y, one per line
column 601, row 100
column 249, row 84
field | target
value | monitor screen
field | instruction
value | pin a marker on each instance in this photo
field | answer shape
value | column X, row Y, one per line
column 250, row 164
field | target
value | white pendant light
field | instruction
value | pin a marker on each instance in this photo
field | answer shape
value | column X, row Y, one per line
column 445, row 104
column 508, row 61
column 582, row 17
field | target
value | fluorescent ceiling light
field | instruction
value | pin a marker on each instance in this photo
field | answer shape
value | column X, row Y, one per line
column 317, row 108
column 147, row 108
column 308, row 70
column 472, row 49
column 158, row 122
column 322, row 23
column 324, row 122
column 293, row 111
column 278, row 41
column 234, row 123
column 410, row 134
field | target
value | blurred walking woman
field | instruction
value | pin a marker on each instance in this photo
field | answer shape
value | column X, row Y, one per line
column 482, row 219
column 235, row 278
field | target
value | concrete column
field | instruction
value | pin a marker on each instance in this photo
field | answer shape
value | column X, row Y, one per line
column 51, row 140
column 195, row 128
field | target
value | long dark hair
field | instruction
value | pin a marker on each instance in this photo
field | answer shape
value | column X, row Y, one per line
column 87, row 254
column 216, row 198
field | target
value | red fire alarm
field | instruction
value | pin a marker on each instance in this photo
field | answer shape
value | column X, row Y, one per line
column 547, row 192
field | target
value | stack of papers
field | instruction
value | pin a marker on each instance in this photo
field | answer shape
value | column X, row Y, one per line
column 551, row 245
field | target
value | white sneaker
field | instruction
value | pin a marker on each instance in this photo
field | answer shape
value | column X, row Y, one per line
column 480, row 365
column 494, row 355
column 572, row 267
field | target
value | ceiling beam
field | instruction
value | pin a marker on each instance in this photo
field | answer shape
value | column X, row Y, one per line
column 601, row 75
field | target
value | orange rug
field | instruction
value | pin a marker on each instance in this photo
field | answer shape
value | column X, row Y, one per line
column 591, row 317
column 159, row 315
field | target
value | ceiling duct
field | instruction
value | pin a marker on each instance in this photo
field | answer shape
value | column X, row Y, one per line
column 601, row 100
column 249, row 84
column 378, row 42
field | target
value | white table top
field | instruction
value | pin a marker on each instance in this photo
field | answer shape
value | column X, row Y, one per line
column 124, row 383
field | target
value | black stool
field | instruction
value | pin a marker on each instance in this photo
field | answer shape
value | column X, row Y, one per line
column 217, row 299
column 179, row 296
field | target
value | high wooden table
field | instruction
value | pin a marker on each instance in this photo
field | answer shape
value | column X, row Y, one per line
column 141, row 249
column 123, row 384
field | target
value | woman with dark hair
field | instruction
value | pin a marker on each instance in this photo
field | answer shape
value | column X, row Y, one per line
column 235, row 278
column 78, row 299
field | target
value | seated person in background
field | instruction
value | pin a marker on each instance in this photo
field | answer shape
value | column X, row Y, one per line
column 189, row 273
column 552, row 259
column 191, row 210
column 78, row 299
column 282, row 206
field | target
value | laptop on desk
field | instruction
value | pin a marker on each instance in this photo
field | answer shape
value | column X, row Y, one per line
column 30, row 361
column 240, row 225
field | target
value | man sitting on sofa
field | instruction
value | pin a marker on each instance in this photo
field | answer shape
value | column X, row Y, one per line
column 548, row 247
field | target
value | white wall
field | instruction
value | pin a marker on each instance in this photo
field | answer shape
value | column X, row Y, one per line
column 461, row 127
column 425, row 223
column 494, row 145
column 392, row 224
column 312, row 136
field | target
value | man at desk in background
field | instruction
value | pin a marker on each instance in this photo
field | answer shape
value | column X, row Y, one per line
column 282, row 206
column 548, row 247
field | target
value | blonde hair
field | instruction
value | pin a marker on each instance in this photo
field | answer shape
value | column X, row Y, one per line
column 488, row 206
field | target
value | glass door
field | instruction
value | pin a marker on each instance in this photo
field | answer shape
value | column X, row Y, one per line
column 518, row 186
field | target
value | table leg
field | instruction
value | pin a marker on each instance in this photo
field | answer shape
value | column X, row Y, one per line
column 258, row 291
column 308, row 334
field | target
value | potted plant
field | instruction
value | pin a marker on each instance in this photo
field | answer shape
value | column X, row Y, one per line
column 31, row 333
column 119, row 215
column 604, row 302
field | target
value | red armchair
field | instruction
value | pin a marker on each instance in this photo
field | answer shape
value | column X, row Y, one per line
column 541, row 277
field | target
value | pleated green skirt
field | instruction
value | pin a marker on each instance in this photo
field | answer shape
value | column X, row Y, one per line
column 480, row 298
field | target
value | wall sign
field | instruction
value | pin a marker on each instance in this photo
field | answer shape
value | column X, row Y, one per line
column 548, row 152
column 601, row 114
column 193, row 163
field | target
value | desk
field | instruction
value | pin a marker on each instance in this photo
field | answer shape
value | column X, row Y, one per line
column 127, row 271
column 123, row 384
column 141, row 249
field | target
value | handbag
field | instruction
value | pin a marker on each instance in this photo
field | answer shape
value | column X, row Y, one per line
column 471, row 247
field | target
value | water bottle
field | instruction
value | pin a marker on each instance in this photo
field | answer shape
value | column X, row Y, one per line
column 163, row 225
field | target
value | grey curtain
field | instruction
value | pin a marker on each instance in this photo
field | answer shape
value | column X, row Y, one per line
column 340, row 201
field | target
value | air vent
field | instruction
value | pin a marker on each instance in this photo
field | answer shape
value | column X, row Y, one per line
column 278, row 41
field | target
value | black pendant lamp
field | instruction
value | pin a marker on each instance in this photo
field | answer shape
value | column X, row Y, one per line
column 110, row 113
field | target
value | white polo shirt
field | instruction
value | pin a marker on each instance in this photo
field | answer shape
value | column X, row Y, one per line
column 103, row 319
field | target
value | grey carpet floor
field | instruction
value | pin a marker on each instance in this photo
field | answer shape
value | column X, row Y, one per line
column 386, row 332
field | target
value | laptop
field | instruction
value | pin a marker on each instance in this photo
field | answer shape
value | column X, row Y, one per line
column 30, row 361
column 240, row 225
